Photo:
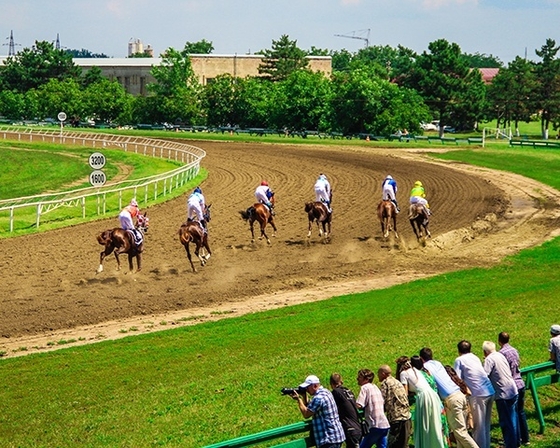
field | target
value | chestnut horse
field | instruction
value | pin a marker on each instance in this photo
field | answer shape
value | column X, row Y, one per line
column 387, row 214
column 261, row 213
column 192, row 232
column 121, row 241
column 419, row 220
column 319, row 213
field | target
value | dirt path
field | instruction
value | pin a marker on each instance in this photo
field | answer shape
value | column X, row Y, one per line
column 52, row 297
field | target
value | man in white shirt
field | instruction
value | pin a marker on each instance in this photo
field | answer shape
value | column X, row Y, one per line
column 497, row 369
column 454, row 401
column 469, row 368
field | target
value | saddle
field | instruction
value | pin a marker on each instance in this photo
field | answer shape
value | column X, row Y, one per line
column 137, row 237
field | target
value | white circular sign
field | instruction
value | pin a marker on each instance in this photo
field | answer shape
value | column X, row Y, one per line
column 61, row 116
column 97, row 161
column 97, row 178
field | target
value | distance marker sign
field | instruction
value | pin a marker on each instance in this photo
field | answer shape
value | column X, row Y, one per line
column 97, row 161
column 97, row 178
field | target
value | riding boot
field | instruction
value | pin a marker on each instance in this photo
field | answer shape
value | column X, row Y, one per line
column 203, row 225
column 396, row 206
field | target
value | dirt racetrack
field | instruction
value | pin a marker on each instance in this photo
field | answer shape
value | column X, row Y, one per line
column 51, row 292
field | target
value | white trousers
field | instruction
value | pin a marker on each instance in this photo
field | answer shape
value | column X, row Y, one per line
column 418, row 200
column 389, row 193
column 482, row 416
column 195, row 210
column 125, row 219
column 321, row 194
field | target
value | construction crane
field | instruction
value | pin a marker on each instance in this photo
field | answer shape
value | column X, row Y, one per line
column 359, row 34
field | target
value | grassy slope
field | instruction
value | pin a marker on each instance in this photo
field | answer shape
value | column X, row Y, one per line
column 197, row 385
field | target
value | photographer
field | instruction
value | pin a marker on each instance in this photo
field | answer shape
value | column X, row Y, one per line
column 327, row 428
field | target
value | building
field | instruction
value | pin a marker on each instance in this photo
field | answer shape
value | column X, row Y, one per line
column 134, row 73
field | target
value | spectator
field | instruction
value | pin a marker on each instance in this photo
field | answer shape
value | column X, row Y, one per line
column 396, row 407
column 554, row 346
column 371, row 401
column 347, row 411
column 325, row 422
column 428, row 431
column 512, row 357
column 469, row 368
column 454, row 400
column 498, row 370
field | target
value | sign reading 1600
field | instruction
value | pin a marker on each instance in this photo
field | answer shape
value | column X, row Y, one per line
column 97, row 178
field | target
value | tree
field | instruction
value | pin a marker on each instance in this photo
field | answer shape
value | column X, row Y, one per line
column 107, row 102
column 176, row 92
column 36, row 66
column 509, row 95
column 143, row 54
column 454, row 93
column 83, row 53
column 200, row 47
column 60, row 95
column 219, row 98
column 548, row 86
column 483, row 60
column 341, row 60
column 284, row 58
column 92, row 76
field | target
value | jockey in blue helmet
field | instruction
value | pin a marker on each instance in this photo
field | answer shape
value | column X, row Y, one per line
column 322, row 189
column 389, row 187
column 196, row 205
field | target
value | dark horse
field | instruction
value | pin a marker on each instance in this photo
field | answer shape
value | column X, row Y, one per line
column 387, row 214
column 121, row 241
column 419, row 219
column 192, row 232
column 260, row 213
column 319, row 213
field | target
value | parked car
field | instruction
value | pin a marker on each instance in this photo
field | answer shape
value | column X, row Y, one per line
column 432, row 126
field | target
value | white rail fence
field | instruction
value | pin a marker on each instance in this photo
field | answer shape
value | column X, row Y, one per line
column 144, row 190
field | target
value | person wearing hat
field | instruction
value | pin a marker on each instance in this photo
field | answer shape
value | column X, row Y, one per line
column 389, row 188
column 125, row 218
column 554, row 345
column 196, row 204
column 263, row 194
column 325, row 422
column 418, row 196
column 323, row 191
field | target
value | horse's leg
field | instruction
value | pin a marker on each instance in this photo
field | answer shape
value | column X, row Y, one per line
column 309, row 228
column 252, row 222
column 327, row 231
column 130, row 261
column 319, row 228
column 386, row 226
column 414, row 229
column 263, row 233
column 273, row 226
column 395, row 225
column 189, row 256
column 207, row 247
column 197, row 252
column 107, row 251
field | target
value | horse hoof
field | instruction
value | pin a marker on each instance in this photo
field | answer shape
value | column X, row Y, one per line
column 207, row 256
column 268, row 241
column 100, row 269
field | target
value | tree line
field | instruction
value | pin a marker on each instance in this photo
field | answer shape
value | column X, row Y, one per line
column 376, row 90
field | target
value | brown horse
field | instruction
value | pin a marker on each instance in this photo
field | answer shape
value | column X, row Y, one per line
column 260, row 213
column 319, row 213
column 419, row 220
column 387, row 214
column 121, row 241
column 192, row 232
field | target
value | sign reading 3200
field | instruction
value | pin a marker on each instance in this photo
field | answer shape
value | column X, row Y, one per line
column 97, row 161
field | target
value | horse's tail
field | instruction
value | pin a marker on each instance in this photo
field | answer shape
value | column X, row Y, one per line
column 246, row 214
column 185, row 236
column 105, row 237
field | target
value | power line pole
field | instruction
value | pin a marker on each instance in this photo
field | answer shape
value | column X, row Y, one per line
column 11, row 44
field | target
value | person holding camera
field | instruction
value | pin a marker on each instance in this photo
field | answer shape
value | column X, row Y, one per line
column 325, row 422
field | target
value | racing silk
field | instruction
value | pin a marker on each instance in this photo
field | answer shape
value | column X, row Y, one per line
column 126, row 215
column 322, row 191
column 389, row 188
column 263, row 194
column 418, row 191
column 196, row 205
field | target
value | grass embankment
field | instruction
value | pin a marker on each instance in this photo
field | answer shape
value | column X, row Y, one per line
column 31, row 169
column 196, row 385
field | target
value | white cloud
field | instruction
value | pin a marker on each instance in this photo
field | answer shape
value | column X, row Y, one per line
column 434, row 4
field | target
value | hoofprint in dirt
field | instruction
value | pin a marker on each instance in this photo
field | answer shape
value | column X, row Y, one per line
column 53, row 298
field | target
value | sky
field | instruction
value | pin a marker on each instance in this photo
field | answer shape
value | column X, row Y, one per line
column 502, row 28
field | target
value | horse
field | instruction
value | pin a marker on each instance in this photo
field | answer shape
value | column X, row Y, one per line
column 262, row 214
column 319, row 213
column 121, row 241
column 419, row 220
column 192, row 232
column 387, row 213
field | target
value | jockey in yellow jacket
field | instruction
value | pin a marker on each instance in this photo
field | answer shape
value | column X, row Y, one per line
column 418, row 196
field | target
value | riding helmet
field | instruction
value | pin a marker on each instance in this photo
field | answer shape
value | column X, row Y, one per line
column 197, row 190
column 133, row 202
column 389, row 177
column 264, row 183
column 417, row 183
column 322, row 176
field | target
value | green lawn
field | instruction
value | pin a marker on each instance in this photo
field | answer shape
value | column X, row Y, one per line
column 197, row 385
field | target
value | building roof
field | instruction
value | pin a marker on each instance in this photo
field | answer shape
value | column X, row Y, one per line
column 488, row 74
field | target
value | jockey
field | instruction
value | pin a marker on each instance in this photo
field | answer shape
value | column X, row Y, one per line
column 263, row 194
column 196, row 205
column 418, row 196
column 323, row 191
column 389, row 187
column 126, row 215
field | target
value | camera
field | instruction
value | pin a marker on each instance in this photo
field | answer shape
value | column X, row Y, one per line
column 291, row 390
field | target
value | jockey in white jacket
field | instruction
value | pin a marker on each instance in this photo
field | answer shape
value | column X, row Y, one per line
column 196, row 205
column 263, row 194
column 389, row 188
column 323, row 191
